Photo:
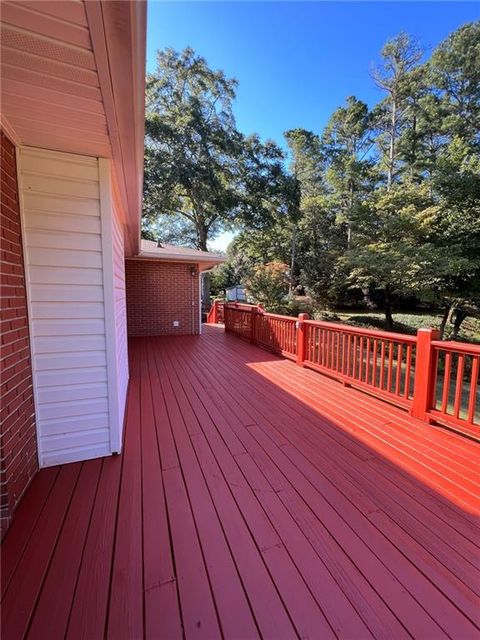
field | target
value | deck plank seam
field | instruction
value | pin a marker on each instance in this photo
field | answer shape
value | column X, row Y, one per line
column 331, row 505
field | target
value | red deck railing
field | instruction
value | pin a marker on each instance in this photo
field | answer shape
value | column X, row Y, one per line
column 215, row 315
column 434, row 380
column 370, row 359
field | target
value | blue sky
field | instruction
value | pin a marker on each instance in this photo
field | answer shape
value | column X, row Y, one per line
column 296, row 62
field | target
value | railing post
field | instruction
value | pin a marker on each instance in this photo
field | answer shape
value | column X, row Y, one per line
column 253, row 321
column 425, row 366
column 301, row 338
column 215, row 312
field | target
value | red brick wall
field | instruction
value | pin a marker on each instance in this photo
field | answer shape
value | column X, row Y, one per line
column 158, row 293
column 18, row 441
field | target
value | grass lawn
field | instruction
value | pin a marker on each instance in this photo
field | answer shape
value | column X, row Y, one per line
column 409, row 322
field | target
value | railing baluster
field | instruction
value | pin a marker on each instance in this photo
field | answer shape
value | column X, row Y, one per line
column 458, row 386
column 390, row 366
column 374, row 364
column 367, row 367
column 408, row 367
column 382, row 370
column 473, row 389
column 368, row 359
column 399, row 369
column 446, row 381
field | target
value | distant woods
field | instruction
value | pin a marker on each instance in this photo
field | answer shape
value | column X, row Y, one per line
column 380, row 207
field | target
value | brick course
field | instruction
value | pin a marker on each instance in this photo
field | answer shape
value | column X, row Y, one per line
column 159, row 293
column 18, row 440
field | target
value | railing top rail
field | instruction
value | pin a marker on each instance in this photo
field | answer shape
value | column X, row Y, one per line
column 241, row 305
column 265, row 314
column 371, row 333
column 459, row 347
column 254, row 308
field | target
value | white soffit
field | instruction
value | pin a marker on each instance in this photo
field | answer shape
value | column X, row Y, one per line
column 73, row 80
column 50, row 92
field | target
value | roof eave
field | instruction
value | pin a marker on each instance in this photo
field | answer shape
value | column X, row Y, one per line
column 210, row 260
column 118, row 34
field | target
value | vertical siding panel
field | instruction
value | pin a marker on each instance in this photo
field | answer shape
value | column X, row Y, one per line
column 120, row 305
column 60, row 194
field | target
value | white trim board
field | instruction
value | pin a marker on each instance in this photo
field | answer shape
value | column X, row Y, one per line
column 106, row 211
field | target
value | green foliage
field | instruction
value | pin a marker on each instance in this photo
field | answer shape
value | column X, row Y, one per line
column 268, row 284
column 381, row 206
column 197, row 164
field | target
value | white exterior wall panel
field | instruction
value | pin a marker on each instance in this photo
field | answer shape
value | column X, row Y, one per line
column 120, row 304
column 66, row 231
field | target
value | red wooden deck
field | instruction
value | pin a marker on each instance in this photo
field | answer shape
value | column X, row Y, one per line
column 253, row 499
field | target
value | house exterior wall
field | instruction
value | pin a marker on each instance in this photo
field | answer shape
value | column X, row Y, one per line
column 160, row 293
column 120, row 306
column 18, row 440
column 69, row 264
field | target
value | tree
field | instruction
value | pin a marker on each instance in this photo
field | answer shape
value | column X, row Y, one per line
column 306, row 168
column 197, row 164
column 455, row 74
column 347, row 143
column 455, row 228
column 173, row 229
column 392, row 252
column 269, row 284
column 400, row 57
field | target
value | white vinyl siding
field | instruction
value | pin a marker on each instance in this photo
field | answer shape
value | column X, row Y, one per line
column 64, row 259
column 120, row 303
column 115, row 303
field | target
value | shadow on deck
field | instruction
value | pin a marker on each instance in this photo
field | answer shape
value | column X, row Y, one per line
column 253, row 499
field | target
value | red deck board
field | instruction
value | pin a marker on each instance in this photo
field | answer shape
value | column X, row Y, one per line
column 125, row 615
column 23, row 525
column 252, row 498
column 90, row 602
column 51, row 612
column 21, row 596
column 448, row 553
column 162, row 612
column 230, row 599
column 308, row 616
column 350, row 420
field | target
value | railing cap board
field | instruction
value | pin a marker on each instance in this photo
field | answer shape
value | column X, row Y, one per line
column 461, row 347
column 372, row 333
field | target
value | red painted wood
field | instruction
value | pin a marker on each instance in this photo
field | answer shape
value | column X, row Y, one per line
column 52, row 612
column 162, row 611
column 125, row 614
column 90, row 603
column 249, row 359
column 256, row 498
column 362, row 555
column 419, row 586
column 321, row 346
column 231, row 602
column 24, row 523
column 26, row 583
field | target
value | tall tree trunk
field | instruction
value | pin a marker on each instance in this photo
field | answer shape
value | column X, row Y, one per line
column 202, row 237
column 460, row 315
column 292, row 260
column 350, row 212
column 414, row 149
column 445, row 317
column 388, row 309
column 392, row 150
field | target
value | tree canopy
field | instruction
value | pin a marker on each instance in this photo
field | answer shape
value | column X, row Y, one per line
column 383, row 204
column 199, row 169
column 388, row 201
